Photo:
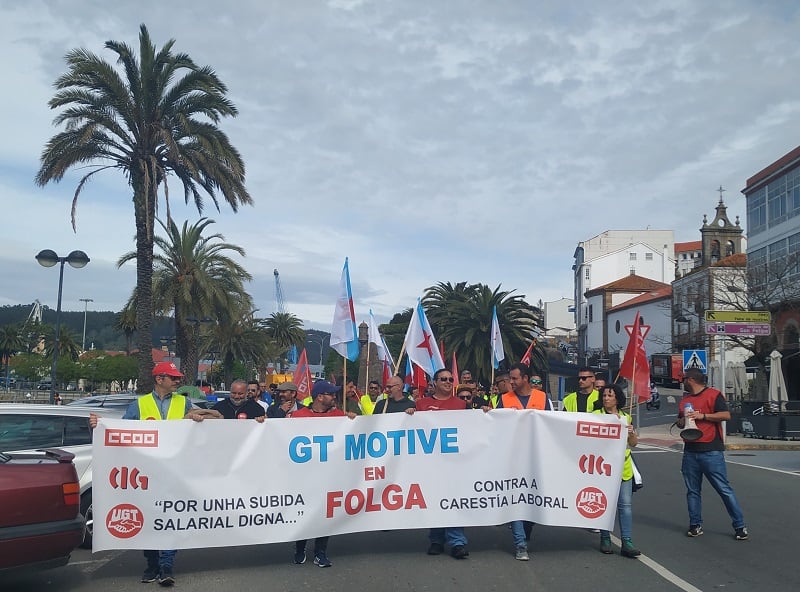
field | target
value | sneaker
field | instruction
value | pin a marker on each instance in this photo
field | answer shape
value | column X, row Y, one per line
column 150, row 575
column 695, row 530
column 741, row 534
column 459, row 552
column 436, row 549
column 522, row 554
column 628, row 549
column 166, row 578
column 299, row 557
column 321, row 559
column 605, row 546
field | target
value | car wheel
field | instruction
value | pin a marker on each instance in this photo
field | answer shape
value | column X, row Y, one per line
column 88, row 516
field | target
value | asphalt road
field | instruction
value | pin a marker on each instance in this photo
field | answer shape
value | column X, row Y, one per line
column 563, row 559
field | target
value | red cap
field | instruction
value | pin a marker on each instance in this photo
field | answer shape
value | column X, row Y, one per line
column 167, row 368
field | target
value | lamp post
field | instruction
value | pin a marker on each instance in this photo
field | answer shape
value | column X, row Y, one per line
column 49, row 258
column 321, row 343
column 86, row 302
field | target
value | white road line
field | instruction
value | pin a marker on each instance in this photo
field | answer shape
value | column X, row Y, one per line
column 661, row 570
column 733, row 462
column 94, row 564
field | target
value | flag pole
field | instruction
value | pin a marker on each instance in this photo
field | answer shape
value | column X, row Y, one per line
column 366, row 379
column 399, row 358
column 344, row 386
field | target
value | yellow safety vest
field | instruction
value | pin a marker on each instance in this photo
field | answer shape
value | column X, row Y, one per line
column 149, row 409
column 570, row 402
column 367, row 405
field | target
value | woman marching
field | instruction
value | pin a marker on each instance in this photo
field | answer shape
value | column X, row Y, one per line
column 613, row 402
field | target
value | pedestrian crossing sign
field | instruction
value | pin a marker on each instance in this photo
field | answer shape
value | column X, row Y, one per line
column 695, row 358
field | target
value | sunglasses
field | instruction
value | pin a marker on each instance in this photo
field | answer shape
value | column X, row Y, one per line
column 585, row 377
column 445, row 379
column 252, row 391
column 465, row 397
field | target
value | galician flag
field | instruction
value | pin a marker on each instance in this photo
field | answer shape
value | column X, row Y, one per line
column 344, row 335
column 376, row 337
column 498, row 355
column 420, row 343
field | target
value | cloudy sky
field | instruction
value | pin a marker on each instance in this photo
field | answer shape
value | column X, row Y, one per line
column 427, row 141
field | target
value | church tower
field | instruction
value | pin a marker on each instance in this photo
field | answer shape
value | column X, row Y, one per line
column 720, row 238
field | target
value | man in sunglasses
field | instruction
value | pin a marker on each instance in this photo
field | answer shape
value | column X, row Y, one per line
column 584, row 398
column 471, row 397
column 502, row 384
column 443, row 399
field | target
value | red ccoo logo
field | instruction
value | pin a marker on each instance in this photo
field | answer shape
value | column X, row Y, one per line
column 591, row 502
column 124, row 521
column 591, row 429
column 139, row 438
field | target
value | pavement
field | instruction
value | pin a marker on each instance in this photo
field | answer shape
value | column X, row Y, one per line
column 660, row 435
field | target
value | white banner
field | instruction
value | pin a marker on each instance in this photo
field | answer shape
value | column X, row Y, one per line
column 183, row 484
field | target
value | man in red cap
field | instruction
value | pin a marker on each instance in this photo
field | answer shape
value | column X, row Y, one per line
column 162, row 403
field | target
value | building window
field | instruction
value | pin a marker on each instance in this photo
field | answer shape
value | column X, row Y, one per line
column 586, row 273
column 757, row 212
column 591, row 313
column 617, row 326
column 632, row 256
column 648, row 256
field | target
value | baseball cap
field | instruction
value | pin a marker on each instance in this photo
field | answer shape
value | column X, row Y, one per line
column 167, row 368
column 323, row 387
column 287, row 386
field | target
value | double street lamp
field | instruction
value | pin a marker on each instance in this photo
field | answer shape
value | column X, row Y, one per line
column 49, row 258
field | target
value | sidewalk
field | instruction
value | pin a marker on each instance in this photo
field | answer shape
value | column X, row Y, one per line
column 661, row 436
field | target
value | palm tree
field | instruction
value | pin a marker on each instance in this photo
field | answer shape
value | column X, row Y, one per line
column 126, row 322
column 285, row 329
column 463, row 315
column 242, row 339
column 68, row 347
column 10, row 345
column 157, row 116
column 194, row 278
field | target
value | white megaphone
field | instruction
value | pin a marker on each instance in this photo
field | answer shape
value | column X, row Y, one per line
column 690, row 433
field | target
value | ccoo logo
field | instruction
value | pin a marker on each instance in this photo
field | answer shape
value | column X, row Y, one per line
column 591, row 502
column 124, row 521
column 138, row 438
column 589, row 463
column 591, row 429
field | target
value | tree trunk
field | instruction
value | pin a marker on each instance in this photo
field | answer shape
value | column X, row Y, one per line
column 144, row 208
column 186, row 346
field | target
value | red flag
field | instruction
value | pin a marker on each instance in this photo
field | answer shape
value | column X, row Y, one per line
column 302, row 377
column 526, row 359
column 387, row 371
column 635, row 367
column 419, row 378
column 409, row 377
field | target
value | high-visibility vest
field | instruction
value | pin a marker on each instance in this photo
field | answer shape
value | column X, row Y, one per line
column 493, row 399
column 149, row 409
column 570, row 402
column 537, row 400
column 627, row 467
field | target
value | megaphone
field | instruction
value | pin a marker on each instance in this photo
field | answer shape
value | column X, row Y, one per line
column 690, row 433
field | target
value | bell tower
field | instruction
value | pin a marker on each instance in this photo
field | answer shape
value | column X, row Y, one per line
column 720, row 238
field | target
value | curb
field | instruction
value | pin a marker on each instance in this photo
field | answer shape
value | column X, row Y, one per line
column 677, row 445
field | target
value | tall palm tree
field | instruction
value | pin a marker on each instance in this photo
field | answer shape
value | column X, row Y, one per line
column 285, row 329
column 126, row 322
column 68, row 347
column 154, row 116
column 463, row 315
column 194, row 278
column 242, row 339
column 10, row 344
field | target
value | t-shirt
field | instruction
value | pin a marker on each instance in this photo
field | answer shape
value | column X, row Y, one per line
column 250, row 409
column 394, row 406
column 308, row 412
column 433, row 404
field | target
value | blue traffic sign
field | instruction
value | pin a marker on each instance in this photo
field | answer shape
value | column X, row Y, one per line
column 695, row 358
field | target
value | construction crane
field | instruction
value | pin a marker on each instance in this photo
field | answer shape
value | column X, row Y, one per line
column 280, row 303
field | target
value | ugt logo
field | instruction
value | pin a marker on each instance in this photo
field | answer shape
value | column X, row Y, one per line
column 591, row 502
column 589, row 463
column 124, row 521
column 121, row 478
column 592, row 429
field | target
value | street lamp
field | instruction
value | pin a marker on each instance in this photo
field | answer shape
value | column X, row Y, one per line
column 321, row 343
column 86, row 302
column 49, row 258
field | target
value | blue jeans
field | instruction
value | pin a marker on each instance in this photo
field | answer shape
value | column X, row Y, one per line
column 521, row 531
column 624, row 511
column 455, row 536
column 712, row 465
column 161, row 559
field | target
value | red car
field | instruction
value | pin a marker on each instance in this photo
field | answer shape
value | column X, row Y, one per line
column 40, row 522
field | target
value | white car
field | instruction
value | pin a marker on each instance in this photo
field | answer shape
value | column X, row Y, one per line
column 26, row 427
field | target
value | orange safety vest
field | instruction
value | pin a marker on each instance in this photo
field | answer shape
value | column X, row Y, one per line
column 535, row 401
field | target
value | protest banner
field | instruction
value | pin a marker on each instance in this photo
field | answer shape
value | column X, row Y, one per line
column 184, row 484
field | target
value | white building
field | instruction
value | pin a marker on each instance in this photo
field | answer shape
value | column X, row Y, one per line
column 559, row 319
column 654, row 310
column 613, row 255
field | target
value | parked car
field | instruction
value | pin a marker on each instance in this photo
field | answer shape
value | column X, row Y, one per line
column 119, row 401
column 26, row 428
column 44, row 385
column 40, row 522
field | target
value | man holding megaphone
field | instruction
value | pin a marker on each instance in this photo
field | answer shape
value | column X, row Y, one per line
column 700, row 415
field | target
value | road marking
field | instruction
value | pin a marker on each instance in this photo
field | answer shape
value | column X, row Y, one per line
column 95, row 564
column 793, row 473
column 661, row 570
